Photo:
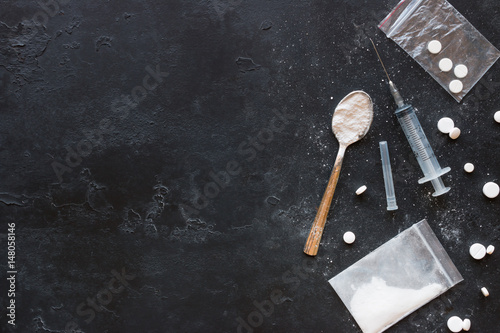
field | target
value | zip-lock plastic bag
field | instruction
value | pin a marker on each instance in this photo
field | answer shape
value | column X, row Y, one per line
column 396, row 279
column 414, row 23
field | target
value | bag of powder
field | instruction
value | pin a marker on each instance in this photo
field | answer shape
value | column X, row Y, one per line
column 396, row 279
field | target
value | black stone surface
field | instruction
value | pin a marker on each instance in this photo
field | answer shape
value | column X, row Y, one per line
column 101, row 185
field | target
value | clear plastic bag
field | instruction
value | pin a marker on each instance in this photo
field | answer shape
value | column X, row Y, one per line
column 414, row 23
column 396, row 279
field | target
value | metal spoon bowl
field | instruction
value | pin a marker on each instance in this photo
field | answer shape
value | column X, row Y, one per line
column 352, row 117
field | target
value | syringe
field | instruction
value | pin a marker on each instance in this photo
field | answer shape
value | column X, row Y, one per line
column 417, row 139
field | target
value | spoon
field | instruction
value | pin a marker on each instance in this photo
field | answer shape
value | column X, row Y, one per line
column 351, row 120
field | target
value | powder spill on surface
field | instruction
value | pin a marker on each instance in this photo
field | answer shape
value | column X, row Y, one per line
column 376, row 306
column 352, row 117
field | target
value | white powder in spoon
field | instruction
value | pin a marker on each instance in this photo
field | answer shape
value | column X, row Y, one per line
column 352, row 117
column 376, row 306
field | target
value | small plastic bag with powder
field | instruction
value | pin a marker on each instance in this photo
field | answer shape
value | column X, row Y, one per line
column 396, row 279
column 413, row 24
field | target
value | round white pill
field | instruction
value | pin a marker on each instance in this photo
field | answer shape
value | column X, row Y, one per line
column 490, row 249
column 461, row 71
column 485, row 292
column 445, row 125
column 454, row 133
column 477, row 251
column 466, row 324
column 491, row 190
column 349, row 237
column 497, row 116
column 455, row 324
column 361, row 189
column 456, row 86
column 445, row 64
column 469, row 167
column 434, row 46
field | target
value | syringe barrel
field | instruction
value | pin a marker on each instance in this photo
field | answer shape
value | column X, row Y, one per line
column 421, row 148
column 414, row 133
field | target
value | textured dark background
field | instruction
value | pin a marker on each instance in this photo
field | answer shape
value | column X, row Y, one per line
column 130, row 198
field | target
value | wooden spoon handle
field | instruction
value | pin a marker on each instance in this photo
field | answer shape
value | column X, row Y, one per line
column 312, row 244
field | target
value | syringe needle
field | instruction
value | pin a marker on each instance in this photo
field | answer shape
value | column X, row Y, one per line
column 388, row 78
column 392, row 87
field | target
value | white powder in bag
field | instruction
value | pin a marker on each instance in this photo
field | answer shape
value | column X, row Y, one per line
column 376, row 306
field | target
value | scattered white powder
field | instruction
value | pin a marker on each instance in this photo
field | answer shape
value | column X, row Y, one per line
column 352, row 117
column 376, row 306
